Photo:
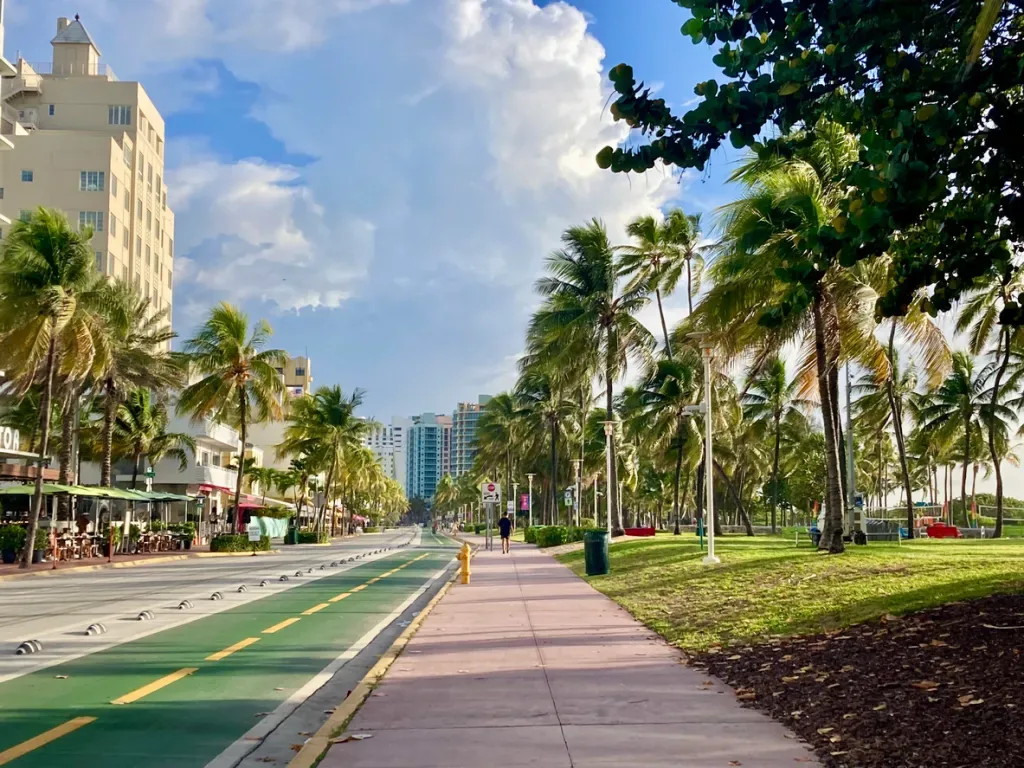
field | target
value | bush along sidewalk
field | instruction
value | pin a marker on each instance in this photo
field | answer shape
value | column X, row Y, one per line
column 232, row 542
column 554, row 535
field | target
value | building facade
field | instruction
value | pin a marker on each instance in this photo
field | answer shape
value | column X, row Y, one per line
column 464, row 421
column 92, row 146
column 446, row 425
column 424, row 447
column 298, row 376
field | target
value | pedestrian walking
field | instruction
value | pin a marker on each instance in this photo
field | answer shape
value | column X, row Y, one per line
column 505, row 529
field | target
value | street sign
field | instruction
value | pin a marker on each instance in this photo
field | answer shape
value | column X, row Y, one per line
column 511, row 507
column 568, row 498
column 254, row 531
column 490, row 493
column 151, row 472
column 524, row 502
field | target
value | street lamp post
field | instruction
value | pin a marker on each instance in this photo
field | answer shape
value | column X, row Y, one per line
column 515, row 501
column 530, row 478
column 609, row 431
column 576, row 502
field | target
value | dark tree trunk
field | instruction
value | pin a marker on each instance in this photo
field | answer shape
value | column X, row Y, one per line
column 44, row 443
column 554, row 470
column 664, row 326
column 832, row 536
column 897, row 428
column 678, row 475
column 109, row 415
column 996, row 459
column 775, row 471
column 613, row 474
column 239, row 526
column 741, row 510
column 68, row 418
column 967, row 463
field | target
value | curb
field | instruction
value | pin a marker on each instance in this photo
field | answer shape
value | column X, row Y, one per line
column 316, row 747
column 74, row 569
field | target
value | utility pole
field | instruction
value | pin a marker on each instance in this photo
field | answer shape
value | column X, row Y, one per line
column 529, row 477
column 851, row 475
column 609, row 431
column 709, row 465
column 576, row 502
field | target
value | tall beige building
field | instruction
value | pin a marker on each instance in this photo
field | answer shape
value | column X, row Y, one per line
column 93, row 146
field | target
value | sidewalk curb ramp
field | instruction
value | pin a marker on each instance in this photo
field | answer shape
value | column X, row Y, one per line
column 317, row 745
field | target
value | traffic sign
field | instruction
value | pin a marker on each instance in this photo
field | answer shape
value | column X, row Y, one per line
column 510, row 506
column 490, row 493
column 254, row 531
column 151, row 472
column 568, row 498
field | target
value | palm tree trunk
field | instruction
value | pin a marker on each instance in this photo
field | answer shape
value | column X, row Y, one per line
column 554, row 471
column 67, row 439
column 832, row 536
column 996, row 459
column 897, row 428
column 109, row 415
column 974, row 495
column 967, row 463
column 44, row 444
column 775, row 471
column 241, row 461
column 613, row 480
column 678, row 475
column 689, row 286
column 664, row 325
column 741, row 510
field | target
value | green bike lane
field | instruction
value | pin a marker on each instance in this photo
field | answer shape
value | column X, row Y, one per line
column 195, row 715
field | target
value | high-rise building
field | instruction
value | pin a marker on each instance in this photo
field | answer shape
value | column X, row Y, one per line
column 424, row 448
column 92, row 146
column 464, row 421
column 446, row 424
column 388, row 444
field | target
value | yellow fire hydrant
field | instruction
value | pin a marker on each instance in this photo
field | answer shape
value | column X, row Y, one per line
column 465, row 554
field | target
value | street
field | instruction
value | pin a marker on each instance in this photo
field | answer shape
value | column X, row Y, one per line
column 185, row 686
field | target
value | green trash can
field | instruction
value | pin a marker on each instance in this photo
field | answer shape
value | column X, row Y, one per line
column 595, row 552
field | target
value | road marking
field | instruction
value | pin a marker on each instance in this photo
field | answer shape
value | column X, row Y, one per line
column 282, row 625
column 374, row 580
column 155, row 686
column 43, row 739
column 314, row 609
column 232, row 648
column 360, row 588
column 336, row 598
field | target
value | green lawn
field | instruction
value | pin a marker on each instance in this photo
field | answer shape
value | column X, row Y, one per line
column 765, row 586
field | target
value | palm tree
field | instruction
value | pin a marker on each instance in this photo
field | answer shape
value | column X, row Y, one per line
column 240, row 381
column 140, row 432
column 663, row 400
column 769, row 397
column 139, row 357
column 498, row 429
column 979, row 319
column 45, row 266
column 661, row 253
column 324, row 427
column 956, row 407
column 546, row 410
column 584, row 315
column 446, row 494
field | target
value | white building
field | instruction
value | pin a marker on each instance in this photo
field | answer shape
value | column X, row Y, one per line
column 388, row 443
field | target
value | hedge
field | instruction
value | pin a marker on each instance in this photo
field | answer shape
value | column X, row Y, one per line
column 554, row 535
column 312, row 537
column 530, row 534
column 237, row 542
column 371, row 529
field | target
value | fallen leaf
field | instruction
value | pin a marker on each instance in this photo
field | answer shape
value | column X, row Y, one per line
column 296, row 747
column 746, row 696
column 880, row 707
column 835, row 738
column 926, row 685
column 735, row 762
column 823, row 731
column 849, row 716
column 61, row 677
column 965, row 700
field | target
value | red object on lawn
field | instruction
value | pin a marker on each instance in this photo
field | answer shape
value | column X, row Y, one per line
column 943, row 531
column 639, row 531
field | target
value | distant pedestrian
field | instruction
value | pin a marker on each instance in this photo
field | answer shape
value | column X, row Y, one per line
column 505, row 528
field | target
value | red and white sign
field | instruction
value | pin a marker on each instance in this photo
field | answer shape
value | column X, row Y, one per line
column 490, row 493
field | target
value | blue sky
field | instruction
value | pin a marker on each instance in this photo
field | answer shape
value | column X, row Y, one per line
column 382, row 179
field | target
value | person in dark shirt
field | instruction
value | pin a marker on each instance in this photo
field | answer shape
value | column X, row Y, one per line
column 505, row 528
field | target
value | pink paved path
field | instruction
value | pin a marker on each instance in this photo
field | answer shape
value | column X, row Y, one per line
column 528, row 665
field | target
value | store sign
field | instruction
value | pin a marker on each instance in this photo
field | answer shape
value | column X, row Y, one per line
column 10, row 439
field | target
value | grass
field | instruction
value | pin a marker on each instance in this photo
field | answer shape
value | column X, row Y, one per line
column 765, row 586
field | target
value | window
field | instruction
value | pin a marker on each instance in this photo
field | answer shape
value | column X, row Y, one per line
column 142, row 167
column 170, row 248
column 100, row 264
column 159, row 146
column 137, row 282
column 147, row 289
column 149, row 177
column 159, row 235
column 120, row 115
column 127, row 239
column 124, row 273
column 93, row 219
column 138, row 247
column 27, row 176
column 113, row 186
column 159, row 183
column 150, row 133
column 52, row 109
column 149, row 256
column 165, row 199
column 91, row 181
column 127, row 200
column 127, row 155
column 138, row 208
column 170, row 279
column 300, row 371
column 24, row 215
column 149, row 220
column 113, row 226
column 216, row 459
column 1, row 193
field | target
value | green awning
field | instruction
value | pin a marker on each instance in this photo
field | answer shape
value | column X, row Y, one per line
column 49, row 489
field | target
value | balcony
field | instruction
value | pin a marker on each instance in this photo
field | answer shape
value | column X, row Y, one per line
column 208, row 433
column 219, row 477
column 97, row 69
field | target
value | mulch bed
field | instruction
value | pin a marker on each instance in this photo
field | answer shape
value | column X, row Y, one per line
column 938, row 688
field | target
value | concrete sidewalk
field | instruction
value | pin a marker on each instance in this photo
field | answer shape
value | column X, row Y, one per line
column 529, row 665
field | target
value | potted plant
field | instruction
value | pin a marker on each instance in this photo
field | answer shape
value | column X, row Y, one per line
column 12, row 539
column 105, row 533
column 188, row 533
column 42, row 542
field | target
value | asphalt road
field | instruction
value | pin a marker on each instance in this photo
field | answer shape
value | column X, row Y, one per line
column 209, row 684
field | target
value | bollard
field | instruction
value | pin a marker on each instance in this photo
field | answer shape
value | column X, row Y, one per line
column 464, row 556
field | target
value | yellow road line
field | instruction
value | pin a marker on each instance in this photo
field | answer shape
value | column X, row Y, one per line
column 336, row 598
column 232, row 648
column 43, row 739
column 314, row 609
column 282, row 625
column 155, row 686
column 360, row 588
column 374, row 580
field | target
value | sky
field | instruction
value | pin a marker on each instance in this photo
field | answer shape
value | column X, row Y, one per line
column 383, row 179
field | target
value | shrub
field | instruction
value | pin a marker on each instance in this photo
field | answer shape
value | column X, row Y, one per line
column 42, row 538
column 371, row 529
column 12, row 538
column 588, row 522
column 530, row 534
column 276, row 513
column 552, row 535
column 312, row 537
column 237, row 542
